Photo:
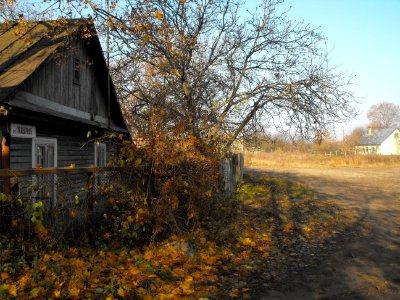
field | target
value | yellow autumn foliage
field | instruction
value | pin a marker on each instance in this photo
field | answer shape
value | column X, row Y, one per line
column 159, row 15
column 193, row 264
column 12, row 290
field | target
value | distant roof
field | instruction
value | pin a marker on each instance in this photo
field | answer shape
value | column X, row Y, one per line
column 24, row 46
column 377, row 137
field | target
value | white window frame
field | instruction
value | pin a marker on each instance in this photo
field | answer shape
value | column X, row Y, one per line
column 42, row 140
column 99, row 176
column 100, row 145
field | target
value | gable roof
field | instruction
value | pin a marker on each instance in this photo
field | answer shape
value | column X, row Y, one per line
column 25, row 46
column 377, row 137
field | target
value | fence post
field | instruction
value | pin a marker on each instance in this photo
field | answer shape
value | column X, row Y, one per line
column 231, row 167
column 241, row 166
column 89, row 188
column 5, row 161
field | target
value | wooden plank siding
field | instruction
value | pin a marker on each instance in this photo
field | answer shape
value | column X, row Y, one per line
column 21, row 153
column 54, row 81
column 71, row 149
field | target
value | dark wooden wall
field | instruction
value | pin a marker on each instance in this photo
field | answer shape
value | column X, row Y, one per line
column 21, row 153
column 71, row 149
column 54, row 81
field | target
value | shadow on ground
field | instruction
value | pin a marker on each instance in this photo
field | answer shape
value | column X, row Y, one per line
column 361, row 261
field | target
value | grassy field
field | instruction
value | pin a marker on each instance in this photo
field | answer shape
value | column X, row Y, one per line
column 281, row 159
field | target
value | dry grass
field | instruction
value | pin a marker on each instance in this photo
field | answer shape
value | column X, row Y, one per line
column 281, row 159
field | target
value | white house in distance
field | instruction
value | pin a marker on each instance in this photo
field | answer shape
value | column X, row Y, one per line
column 384, row 141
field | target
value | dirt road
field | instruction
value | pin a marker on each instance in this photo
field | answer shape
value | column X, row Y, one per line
column 367, row 265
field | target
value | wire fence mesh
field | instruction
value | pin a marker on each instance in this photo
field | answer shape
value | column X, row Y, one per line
column 57, row 197
column 66, row 199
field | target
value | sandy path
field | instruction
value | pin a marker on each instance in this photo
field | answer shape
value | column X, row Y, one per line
column 366, row 266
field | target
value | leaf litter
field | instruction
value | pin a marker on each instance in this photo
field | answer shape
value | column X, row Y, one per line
column 280, row 227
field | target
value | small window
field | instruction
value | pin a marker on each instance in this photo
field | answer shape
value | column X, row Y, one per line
column 100, row 154
column 396, row 135
column 44, row 155
column 77, row 71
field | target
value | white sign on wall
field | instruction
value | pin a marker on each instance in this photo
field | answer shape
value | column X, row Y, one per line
column 23, row 131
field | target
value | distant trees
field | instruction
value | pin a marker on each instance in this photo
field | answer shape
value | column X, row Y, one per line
column 354, row 137
column 384, row 115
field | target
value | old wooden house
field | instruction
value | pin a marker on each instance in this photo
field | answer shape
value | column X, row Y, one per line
column 54, row 89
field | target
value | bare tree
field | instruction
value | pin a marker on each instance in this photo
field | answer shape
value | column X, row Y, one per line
column 14, row 10
column 28, row 10
column 353, row 138
column 384, row 115
column 219, row 71
column 219, row 74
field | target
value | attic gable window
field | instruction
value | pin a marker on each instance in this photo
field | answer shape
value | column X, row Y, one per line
column 77, row 71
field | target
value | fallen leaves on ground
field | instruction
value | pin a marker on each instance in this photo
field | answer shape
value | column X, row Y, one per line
column 279, row 222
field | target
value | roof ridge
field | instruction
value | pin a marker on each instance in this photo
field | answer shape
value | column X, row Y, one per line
column 46, row 20
column 377, row 136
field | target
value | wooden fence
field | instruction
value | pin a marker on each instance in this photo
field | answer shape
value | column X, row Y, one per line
column 79, row 190
column 53, row 182
column 24, row 181
column 232, row 169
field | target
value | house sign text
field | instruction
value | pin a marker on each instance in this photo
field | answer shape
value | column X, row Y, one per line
column 23, row 131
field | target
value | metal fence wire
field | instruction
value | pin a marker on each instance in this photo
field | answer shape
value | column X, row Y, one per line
column 66, row 198
column 57, row 197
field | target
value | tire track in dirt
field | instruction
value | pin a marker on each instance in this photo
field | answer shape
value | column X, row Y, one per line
column 365, row 266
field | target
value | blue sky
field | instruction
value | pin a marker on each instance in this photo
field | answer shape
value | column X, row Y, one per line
column 364, row 39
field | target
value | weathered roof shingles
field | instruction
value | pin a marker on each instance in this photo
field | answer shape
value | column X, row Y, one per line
column 24, row 46
column 377, row 137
